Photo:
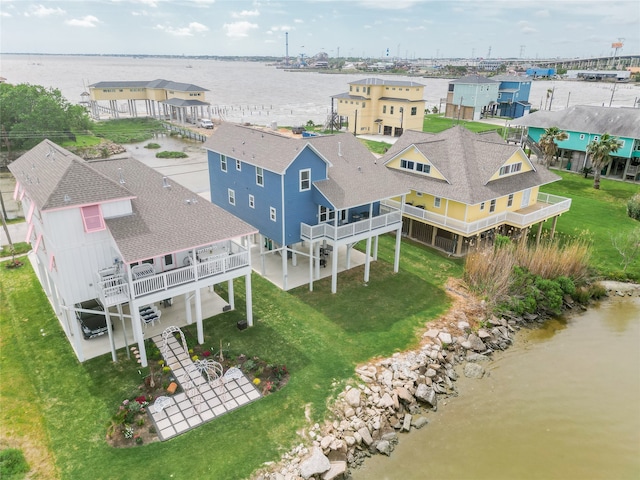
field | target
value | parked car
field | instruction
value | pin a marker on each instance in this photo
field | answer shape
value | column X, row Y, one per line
column 205, row 123
column 93, row 324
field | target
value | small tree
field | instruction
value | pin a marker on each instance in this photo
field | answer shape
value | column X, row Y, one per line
column 600, row 152
column 548, row 145
column 628, row 246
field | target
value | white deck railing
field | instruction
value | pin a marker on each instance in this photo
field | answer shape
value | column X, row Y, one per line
column 388, row 221
column 549, row 206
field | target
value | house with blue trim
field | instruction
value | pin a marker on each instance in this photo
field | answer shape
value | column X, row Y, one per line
column 585, row 123
column 513, row 95
column 471, row 97
column 309, row 196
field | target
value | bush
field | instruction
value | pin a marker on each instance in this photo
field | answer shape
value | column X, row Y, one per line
column 12, row 463
column 167, row 154
column 633, row 207
column 152, row 145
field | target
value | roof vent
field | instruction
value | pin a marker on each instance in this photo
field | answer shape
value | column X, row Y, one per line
column 51, row 154
column 191, row 201
column 120, row 176
column 165, row 182
column 359, row 169
column 67, row 199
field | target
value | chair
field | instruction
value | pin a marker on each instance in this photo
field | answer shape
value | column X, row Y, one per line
column 161, row 403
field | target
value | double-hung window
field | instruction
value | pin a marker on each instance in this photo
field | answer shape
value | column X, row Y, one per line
column 238, row 165
column 436, row 202
column 232, row 196
column 272, row 214
column 223, row 163
column 305, row 180
column 252, row 201
column 260, row 176
column 492, row 206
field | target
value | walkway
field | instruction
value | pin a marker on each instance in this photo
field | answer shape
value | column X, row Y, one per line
column 184, row 413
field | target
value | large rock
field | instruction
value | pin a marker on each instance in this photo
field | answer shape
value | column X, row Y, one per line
column 404, row 394
column 445, row 337
column 384, row 447
column 476, row 344
column 365, row 435
column 385, row 401
column 353, row 397
column 473, row 370
column 337, row 468
column 419, row 422
column 317, row 463
column 427, row 395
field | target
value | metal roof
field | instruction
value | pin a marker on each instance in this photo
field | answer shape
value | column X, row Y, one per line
column 158, row 83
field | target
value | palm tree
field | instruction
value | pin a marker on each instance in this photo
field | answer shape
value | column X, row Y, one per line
column 600, row 152
column 548, row 145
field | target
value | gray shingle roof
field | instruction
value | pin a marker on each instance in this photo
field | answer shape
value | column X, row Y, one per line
column 162, row 221
column 467, row 160
column 159, row 83
column 355, row 176
column 179, row 102
column 472, row 79
column 620, row 122
column 512, row 78
column 56, row 178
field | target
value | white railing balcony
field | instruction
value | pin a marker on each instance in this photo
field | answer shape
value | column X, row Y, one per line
column 327, row 231
column 116, row 289
column 546, row 206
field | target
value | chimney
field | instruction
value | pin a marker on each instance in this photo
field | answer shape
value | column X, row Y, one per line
column 339, row 149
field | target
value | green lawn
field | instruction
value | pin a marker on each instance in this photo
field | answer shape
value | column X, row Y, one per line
column 438, row 123
column 597, row 214
column 128, row 130
column 319, row 336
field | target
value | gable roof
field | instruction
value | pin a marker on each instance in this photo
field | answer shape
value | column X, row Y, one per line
column 355, row 177
column 473, row 79
column 467, row 160
column 164, row 219
column 617, row 121
column 158, row 83
column 56, row 178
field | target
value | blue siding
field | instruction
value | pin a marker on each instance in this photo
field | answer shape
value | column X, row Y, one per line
column 302, row 206
column 244, row 184
column 574, row 142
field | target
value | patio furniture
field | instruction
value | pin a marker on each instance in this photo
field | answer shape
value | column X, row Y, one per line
column 161, row 403
column 141, row 271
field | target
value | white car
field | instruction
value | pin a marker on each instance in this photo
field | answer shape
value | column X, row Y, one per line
column 205, row 123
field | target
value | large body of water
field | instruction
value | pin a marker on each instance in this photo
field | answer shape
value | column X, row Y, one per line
column 564, row 403
column 261, row 94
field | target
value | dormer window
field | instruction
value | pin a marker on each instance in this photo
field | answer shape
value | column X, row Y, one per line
column 508, row 169
column 92, row 218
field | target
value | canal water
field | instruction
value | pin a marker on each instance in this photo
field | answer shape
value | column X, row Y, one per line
column 562, row 403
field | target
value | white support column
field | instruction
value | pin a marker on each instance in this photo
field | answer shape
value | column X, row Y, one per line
column 198, row 302
column 311, row 266
column 396, row 257
column 349, row 248
column 367, row 260
column 285, row 273
column 334, row 269
column 187, row 305
column 112, row 344
column 262, row 239
column 77, row 333
column 232, row 297
column 375, row 247
column 249, row 299
column 294, row 258
column 317, row 249
column 137, row 332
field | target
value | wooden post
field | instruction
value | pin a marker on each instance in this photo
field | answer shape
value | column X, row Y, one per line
column 538, row 233
column 553, row 226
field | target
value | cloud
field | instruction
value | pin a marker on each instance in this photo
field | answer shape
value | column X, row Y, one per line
column 542, row 14
column 42, row 11
column 384, row 5
column 282, row 28
column 88, row 21
column 239, row 29
column 4, row 14
column 245, row 13
column 141, row 13
column 188, row 31
column 526, row 27
column 298, row 20
column 415, row 29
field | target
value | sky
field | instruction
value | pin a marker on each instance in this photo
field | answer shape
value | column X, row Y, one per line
column 384, row 29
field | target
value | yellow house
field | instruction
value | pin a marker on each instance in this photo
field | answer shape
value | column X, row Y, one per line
column 380, row 106
column 183, row 102
column 466, row 187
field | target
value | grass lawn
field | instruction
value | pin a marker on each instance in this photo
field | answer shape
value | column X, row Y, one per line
column 438, row 123
column 596, row 215
column 55, row 404
column 128, row 130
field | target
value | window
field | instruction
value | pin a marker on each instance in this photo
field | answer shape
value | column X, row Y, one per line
column 232, row 196
column 510, row 200
column 92, row 218
column 260, row 176
column 596, row 138
column 391, row 109
column 168, row 259
column 408, row 164
column 326, row 214
column 482, row 206
column 582, row 136
column 223, row 163
column 436, row 202
column 414, row 110
column 384, row 109
column 492, row 206
column 417, row 166
column 272, row 214
column 252, row 201
column 305, row 180
column 238, row 165
column 513, row 168
column 418, row 194
column 423, row 167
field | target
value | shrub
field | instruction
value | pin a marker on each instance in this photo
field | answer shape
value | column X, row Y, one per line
column 12, row 463
column 633, row 207
column 167, row 154
column 152, row 145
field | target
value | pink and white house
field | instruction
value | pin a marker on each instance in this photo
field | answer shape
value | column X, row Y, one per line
column 117, row 231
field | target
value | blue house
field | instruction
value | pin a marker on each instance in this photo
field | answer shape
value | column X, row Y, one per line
column 513, row 95
column 541, row 72
column 306, row 196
